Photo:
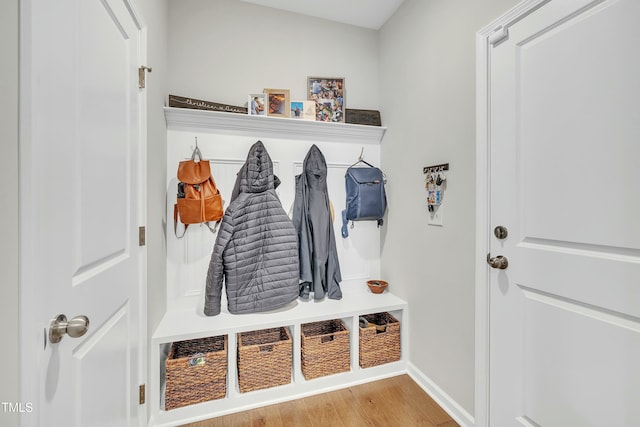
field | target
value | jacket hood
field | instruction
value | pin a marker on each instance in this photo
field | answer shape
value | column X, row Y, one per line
column 257, row 173
column 315, row 168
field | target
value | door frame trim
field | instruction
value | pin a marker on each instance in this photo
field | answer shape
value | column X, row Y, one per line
column 484, row 40
column 29, row 301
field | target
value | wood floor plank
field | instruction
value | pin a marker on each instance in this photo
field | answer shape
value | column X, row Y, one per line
column 294, row 413
column 242, row 420
column 268, row 416
column 403, row 411
column 419, row 401
column 351, row 413
column 214, row 422
column 392, row 402
column 321, row 410
column 368, row 396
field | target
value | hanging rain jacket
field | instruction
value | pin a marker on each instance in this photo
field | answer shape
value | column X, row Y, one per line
column 319, row 266
column 256, row 251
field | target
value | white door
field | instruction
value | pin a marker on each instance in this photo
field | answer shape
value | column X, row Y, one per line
column 82, row 154
column 564, row 175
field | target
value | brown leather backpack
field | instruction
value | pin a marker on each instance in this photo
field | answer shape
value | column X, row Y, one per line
column 199, row 199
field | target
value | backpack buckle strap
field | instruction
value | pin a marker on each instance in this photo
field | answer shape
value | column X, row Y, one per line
column 345, row 221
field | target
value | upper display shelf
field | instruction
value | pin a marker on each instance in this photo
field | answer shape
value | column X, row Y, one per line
column 270, row 127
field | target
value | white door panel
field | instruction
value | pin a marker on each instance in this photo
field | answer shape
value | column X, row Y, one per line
column 573, row 359
column 108, row 345
column 564, row 132
column 84, row 201
column 574, row 68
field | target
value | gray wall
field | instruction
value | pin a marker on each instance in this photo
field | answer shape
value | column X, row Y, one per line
column 223, row 50
column 9, row 392
column 427, row 81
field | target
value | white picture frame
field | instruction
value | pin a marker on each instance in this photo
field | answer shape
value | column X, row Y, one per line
column 257, row 104
column 303, row 110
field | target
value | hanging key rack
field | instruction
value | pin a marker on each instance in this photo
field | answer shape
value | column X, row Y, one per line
column 435, row 168
column 434, row 181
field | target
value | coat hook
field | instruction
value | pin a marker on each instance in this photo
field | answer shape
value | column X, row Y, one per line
column 196, row 142
column 361, row 153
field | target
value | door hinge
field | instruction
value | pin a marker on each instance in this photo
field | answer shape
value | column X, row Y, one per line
column 142, row 76
column 498, row 35
column 141, row 235
column 142, row 394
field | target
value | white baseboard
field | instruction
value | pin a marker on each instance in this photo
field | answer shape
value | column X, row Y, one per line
column 445, row 401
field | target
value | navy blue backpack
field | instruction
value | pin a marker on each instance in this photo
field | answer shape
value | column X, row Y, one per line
column 366, row 198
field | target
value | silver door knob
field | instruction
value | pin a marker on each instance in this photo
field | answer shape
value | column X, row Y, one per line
column 498, row 262
column 75, row 328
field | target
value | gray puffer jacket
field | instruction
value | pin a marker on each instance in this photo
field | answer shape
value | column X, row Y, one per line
column 257, row 246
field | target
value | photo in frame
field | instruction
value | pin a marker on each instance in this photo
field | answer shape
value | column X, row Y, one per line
column 277, row 102
column 328, row 93
column 257, row 104
column 303, row 110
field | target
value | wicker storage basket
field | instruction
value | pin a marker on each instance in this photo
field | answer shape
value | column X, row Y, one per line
column 196, row 371
column 380, row 340
column 325, row 348
column 264, row 359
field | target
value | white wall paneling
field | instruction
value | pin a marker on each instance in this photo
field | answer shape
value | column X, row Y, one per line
column 225, row 139
column 221, row 142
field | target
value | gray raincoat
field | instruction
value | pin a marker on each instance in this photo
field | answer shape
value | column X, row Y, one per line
column 256, row 251
column 319, row 266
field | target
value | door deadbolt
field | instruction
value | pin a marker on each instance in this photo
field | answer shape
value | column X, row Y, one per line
column 499, row 262
column 75, row 328
column 501, row 232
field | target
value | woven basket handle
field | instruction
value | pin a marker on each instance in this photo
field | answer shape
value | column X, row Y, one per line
column 326, row 338
column 266, row 348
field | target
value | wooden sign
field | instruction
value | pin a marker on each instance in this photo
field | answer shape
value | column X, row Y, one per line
column 198, row 104
column 363, row 117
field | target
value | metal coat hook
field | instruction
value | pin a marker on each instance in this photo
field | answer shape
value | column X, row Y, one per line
column 362, row 160
column 196, row 151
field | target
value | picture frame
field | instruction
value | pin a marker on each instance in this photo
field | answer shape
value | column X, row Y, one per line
column 303, row 110
column 257, row 104
column 277, row 102
column 328, row 93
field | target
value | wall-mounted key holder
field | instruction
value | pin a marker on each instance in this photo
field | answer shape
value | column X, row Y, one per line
column 436, row 168
column 435, row 183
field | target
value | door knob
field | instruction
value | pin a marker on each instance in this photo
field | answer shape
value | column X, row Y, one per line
column 498, row 262
column 75, row 328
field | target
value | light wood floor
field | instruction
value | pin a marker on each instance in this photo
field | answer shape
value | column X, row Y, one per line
column 392, row 402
